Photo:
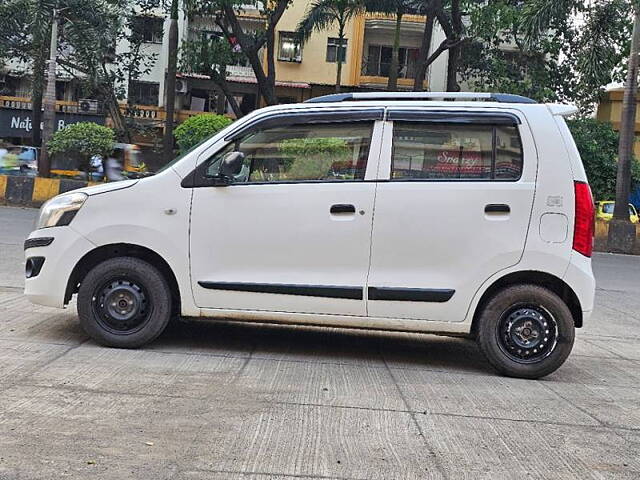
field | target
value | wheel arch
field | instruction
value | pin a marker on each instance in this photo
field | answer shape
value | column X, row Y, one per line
column 105, row 252
column 546, row 280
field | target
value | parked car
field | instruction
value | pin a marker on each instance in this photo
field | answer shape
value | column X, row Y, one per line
column 470, row 218
column 604, row 211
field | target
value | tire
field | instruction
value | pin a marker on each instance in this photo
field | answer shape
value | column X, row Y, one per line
column 124, row 302
column 525, row 331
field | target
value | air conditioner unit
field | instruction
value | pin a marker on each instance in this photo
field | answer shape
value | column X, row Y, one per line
column 181, row 86
column 88, row 105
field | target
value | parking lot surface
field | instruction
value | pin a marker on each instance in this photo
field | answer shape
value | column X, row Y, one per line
column 222, row 400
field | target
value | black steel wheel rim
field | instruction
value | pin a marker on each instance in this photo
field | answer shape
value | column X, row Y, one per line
column 121, row 306
column 527, row 333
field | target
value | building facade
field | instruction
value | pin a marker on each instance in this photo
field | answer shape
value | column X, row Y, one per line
column 302, row 72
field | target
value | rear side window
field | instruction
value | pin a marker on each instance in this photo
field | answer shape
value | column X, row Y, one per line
column 440, row 151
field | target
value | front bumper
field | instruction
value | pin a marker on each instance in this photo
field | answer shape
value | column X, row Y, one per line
column 63, row 253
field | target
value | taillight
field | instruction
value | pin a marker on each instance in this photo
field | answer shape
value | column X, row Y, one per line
column 584, row 219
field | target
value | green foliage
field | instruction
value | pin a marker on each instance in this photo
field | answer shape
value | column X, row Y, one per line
column 598, row 145
column 313, row 158
column 83, row 140
column 198, row 128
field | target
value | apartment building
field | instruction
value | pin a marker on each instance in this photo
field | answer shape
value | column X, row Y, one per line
column 301, row 71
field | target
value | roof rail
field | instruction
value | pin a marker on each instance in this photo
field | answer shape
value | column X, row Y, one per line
column 490, row 97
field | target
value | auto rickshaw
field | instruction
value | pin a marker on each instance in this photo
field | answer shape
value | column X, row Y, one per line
column 126, row 154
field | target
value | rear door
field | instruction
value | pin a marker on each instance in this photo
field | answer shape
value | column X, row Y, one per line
column 454, row 211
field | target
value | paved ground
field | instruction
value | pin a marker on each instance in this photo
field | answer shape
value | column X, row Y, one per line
column 233, row 401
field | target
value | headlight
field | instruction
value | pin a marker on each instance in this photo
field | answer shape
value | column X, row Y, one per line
column 60, row 210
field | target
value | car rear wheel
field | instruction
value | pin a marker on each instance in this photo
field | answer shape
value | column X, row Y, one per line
column 124, row 302
column 525, row 331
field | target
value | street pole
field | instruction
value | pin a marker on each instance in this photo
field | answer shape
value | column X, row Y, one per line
column 622, row 233
column 49, row 102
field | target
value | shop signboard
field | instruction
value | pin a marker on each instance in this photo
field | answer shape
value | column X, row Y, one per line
column 16, row 123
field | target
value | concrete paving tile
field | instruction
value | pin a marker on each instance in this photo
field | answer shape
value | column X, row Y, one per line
column 485, row 396
column 613, row 406
column 321, row 384
column 225, row 475
column 583, row 346
column 314, row 344
column 19, row 360
column 60, row 327
column 499, row 449
column 437, row 353
column 139, row 372
column 598, row 371
column 628, row 349
column 13, row 299
column 318, row 441
column 49, row 433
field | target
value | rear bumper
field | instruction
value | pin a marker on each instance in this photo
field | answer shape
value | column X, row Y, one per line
column 60, row 257
column 579, row 277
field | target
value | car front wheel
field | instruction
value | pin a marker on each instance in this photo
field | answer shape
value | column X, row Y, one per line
column 525, row 331
column 124, row 302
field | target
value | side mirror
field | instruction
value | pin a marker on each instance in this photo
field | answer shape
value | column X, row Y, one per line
column 231, row 164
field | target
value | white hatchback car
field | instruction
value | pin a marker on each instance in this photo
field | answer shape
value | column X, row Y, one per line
column 387, row 211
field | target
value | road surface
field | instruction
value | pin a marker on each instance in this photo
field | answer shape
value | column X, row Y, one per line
column 234, row 401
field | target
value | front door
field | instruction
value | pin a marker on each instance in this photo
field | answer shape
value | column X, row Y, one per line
column 292, row 232
column 454, row 211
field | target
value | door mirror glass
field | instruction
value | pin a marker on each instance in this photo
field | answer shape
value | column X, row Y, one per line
column 231, row 164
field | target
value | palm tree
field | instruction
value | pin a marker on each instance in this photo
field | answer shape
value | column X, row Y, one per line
column 322, row 15
column 397, row 8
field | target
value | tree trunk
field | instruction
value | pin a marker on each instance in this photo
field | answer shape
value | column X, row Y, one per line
column 455, row 51
column 339, row 57
column 49, row 115
column 452, row 69
column 425, row 46
column 271, row 61
column 224, row 87
column 37, row 90
column 251, row 51
column 170, row 84
column 621, row 230
column 395, row 54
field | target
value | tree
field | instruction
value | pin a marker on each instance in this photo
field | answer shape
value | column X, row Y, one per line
column 451, row 22
column 88, row 53
column 83, row 140
column 211, row 56
column 170, row 84
column 597, row 143
column 585, row 44
column 398, row 8
column 250, row 42
column 322, row 15
column 622, row 233
column 198, row 128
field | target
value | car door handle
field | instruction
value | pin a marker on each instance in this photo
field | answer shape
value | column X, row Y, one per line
column 497, row 208
column 342, row 208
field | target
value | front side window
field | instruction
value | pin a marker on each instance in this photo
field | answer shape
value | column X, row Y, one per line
column 336, row 50
column 424, row 151
column 299, row 153
column 289, row 48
